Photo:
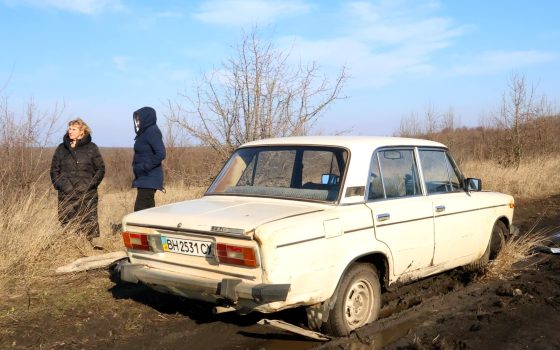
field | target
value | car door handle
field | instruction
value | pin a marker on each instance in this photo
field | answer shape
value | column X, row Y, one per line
column 383, row 217
column 440, row 208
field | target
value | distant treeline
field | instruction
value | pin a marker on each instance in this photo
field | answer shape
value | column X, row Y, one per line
column 25, row 166
column 538, row 139
column 188, row 166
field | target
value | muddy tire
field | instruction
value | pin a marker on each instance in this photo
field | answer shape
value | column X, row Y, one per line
column 357, row 303
column 497, row 240
column 499, row 232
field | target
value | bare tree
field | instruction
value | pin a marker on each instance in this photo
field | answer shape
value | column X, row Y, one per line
column 519, row 108
column 431, row 120
column 430, row 126
column 449, row 121
column 24, row 141
column 256, row 94
column 410, row 126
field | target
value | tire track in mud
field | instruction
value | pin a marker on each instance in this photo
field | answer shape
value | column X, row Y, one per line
column 191, row 324
column 406, row 307
column 468, row 312
column 403, row 307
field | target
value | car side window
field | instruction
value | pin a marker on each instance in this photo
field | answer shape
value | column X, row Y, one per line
column 439, row 175
column 399, row 173
column 375, row 183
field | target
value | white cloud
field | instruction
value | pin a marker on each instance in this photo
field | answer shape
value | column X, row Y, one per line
column 87, row 7
column 388, row 40
column 366, row 67
column 500, row 61
column 383, row 41
column 403, row 24
column 247, row 12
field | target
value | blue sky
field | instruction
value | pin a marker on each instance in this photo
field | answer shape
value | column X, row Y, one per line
column 103, row 59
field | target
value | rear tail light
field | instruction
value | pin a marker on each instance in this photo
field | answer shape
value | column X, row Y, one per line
column 136, row 241
column 236, row 255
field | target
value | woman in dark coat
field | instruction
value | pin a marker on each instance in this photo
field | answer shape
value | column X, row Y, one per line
column 77, row 169
column 149, row 152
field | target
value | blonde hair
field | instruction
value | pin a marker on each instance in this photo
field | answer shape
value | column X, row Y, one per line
column 82, row 125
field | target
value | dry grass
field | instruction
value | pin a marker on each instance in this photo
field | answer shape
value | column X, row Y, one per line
column 516, row 249
column 31, row 238
column 534, row 178
column 114, row 205
column 34, row 244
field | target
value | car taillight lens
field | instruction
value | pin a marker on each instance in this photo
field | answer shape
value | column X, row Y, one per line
column 136, row 241
column 236, row 255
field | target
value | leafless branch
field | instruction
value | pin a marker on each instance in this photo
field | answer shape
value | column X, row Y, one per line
column 256, row 94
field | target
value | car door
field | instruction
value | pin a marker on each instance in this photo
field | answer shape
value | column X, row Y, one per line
column 456, row 225
column 402, row 215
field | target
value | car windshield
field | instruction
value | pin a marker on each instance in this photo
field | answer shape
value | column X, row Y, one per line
column 293, row 172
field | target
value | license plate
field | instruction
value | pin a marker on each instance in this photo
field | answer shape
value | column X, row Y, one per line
column 187, row 246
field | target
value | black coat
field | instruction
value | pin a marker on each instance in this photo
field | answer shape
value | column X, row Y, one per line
column 75, row 174
column 149, row 151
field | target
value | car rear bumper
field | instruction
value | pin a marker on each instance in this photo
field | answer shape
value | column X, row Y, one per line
column 229, row 289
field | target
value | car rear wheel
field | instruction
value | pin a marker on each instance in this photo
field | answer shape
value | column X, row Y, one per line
column 357, row 303
column 497, row 240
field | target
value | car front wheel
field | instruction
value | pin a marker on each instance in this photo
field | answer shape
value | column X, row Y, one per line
column 358, row 300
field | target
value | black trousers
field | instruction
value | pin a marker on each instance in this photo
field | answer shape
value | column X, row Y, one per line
column 145, row 198
column 80, row 209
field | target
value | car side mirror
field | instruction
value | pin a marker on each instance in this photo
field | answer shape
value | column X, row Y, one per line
column 473, row 184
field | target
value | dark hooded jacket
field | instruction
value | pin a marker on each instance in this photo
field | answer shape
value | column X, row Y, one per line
column 149, row 151
column 75, row 174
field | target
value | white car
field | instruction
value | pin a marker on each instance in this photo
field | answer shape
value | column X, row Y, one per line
column 321, row 222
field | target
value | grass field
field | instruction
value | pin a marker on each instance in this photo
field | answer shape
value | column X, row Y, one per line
column 34, row 244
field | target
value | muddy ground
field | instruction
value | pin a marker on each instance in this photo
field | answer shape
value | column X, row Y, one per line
column 453, row 310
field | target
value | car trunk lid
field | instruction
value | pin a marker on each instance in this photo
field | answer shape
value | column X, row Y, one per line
column 219, row 214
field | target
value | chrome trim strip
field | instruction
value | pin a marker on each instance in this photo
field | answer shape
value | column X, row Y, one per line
column 405, row 221
column 438, row 216
column 471, row 210
column 271, row 197
column 358, row 229
column 298, row 214
column 186, row 230
column 298, row 242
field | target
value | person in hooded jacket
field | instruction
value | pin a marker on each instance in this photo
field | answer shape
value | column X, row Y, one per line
column 149, row 152
column 77, row 169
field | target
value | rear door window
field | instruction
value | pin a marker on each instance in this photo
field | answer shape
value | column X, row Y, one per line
column 399, row 174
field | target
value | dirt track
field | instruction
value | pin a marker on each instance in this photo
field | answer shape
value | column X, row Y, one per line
column 454, row 310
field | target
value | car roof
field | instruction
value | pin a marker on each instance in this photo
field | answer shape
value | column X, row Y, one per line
column 351, row 142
